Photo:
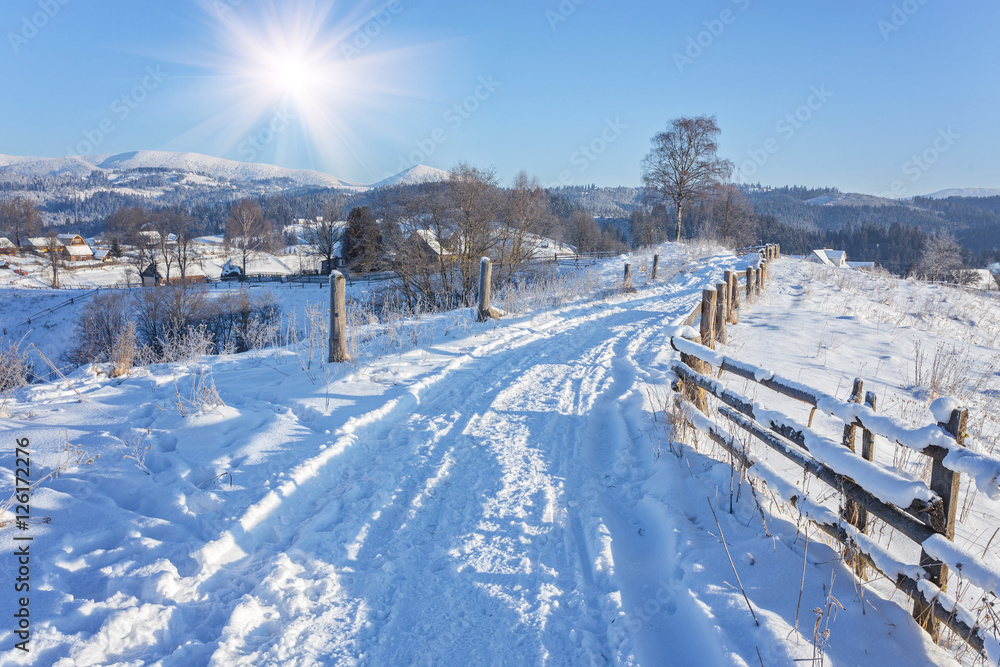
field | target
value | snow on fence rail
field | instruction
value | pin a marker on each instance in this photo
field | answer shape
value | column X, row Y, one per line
column 924, row 513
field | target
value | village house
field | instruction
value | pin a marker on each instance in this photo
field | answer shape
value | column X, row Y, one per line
column 7, row 247
column 836, row 258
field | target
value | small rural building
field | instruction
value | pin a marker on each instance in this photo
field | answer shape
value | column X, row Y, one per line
column 77, row 253
column 104, row 255
column 39, row 244
column 7, row 247
column 428, row 243
column 152, row 277
column 70, row 239
column 837, row 258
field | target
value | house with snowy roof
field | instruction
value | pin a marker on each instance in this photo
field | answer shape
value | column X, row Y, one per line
column 836, row 258
column 7, row 246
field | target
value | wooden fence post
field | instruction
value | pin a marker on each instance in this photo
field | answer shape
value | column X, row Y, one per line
column 338, row 318
column 656, row 265
column 485, row 276
column 627, row 280
column 852, row 512
column 868, row 454
column 733, row 293
column 763, row 276
column 721, row 312
column 750, row 273
column 757, row 275
column 708, row 298
column 693, row 393
column 945, row 483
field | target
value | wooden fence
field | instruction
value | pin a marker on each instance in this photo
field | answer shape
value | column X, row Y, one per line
column 925, row 514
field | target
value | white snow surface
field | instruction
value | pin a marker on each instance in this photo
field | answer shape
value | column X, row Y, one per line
column 500, row 493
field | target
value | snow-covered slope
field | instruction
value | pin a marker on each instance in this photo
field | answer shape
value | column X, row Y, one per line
column 965, row 192
column 414, row 176
column 850, row 199
column 496, row 493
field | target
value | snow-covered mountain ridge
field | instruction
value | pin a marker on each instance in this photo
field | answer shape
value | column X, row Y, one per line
column 194, row 163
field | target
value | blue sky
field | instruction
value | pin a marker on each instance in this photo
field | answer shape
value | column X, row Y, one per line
column 878, row 97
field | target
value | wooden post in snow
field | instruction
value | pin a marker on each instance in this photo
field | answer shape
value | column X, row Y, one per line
column 656, row 265
column 851, row 510
column 338, row 318
column 945, row 483
column 693, row 393
column 721, row 312
column 627, row 280
column 708, row 298
column 749, row 284
column 763, row 276
column 485, row 278
column 734, row 296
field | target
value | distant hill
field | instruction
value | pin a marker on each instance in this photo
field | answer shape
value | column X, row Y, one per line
column 965, row 192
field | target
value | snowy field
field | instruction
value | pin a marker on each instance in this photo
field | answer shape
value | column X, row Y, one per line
column 497, row 494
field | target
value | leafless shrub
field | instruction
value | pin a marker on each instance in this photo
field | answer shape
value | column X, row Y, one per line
column 106, row 334
column 16, row 368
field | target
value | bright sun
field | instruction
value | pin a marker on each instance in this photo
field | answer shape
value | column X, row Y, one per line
column 291, row 74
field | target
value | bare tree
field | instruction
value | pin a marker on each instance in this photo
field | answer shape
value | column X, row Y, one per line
column 19, row 220
column 183, row 247
column 473, row 192
column 247, row 230
column 524, row 215
column 582, row 232
column 942, row 254
column 325, row 235
column 646, row 226
column 163, row 223
column 53, row 251
column 731, row 217
column 682, row 166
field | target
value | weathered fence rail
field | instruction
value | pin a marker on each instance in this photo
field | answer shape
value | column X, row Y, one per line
column 924, row 513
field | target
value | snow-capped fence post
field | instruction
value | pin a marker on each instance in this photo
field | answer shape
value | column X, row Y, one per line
column 721, row 312
column 758, row 280
column 627, row 279
column 734, row 296
column 338, row 317
column 749, row 284
column 868, row 454
column 852, row 511
column 763, row 276
column 945, row 483
column 708, row 298
column 485, row 278
column 656, row 265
